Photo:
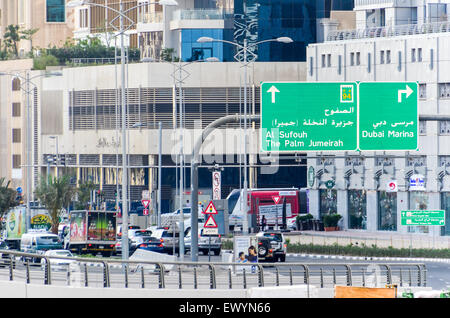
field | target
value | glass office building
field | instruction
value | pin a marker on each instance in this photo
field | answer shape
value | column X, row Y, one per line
column 259, row 20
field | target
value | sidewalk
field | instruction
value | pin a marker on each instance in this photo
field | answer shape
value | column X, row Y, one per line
column 380, row 239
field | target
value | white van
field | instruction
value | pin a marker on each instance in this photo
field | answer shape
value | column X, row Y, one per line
column 39, row 242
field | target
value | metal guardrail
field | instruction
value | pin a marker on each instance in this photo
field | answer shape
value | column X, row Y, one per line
column 95, row 272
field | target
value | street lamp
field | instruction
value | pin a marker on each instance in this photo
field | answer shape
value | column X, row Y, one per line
column 179, row 67
column 122, row 14
column 245, row 47
column 27, row 90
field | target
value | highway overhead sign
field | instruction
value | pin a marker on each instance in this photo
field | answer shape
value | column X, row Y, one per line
column 423, row 217
column 388, row 116
column 343, row 116
column 302, row 116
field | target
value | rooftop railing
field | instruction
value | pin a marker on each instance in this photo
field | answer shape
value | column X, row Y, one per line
column 389, row 31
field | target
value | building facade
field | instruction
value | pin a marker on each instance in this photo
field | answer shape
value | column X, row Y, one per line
column 178, row 28
column 80, row 118
column 396, row 52
column 54, row 23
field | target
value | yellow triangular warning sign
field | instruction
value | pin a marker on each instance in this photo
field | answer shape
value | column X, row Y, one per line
column 210, row 209
column 210, row 223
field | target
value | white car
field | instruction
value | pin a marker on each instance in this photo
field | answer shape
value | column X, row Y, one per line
column 58, row 263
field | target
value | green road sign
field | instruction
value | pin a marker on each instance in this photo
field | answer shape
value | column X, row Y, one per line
column 388, row 116
column 327, row 116
column 423, row 217
column 302, row 116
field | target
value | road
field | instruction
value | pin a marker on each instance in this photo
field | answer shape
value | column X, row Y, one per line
column 438, row 276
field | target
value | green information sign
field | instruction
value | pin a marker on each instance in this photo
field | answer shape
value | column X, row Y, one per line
column 388, row 116
column 346, row 116
column 308, row 116
column 423, row 217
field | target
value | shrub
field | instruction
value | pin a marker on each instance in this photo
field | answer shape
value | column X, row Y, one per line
column 41, row 62
column 331, row 220
column 304, row 217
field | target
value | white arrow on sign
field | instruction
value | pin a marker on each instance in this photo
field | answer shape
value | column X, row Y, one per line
column 273, row 90
column 406, row 91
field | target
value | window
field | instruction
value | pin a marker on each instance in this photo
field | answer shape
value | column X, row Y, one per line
column 16, row 161
column 422, row 91
column 328, row 202
column 444, row 161
column 16, row 135
column 418, row 161
column 388, row 57
column 387, row 211
column 413, row 55
column 381, row 57
column 56, row 11
column 352, row 59
column 323, row 60
column 16, row 84
column 419, row 55
column 200, row 54
column 358, row 58
column 444, row 127
column 444, row 90
column 357, row 209
column 422, row 127
column 16, row 109
column 83, row 18
column 329, row 60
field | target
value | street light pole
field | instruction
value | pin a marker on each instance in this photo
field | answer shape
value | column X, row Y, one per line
column 29, row 163
column 159, row 172
column 245, row 48
column 125, row 247
column 121, row 14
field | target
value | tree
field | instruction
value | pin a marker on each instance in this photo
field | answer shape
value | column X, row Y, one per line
column 7, row 197
column 55, row 193
column 84, row 194
column 167, row 54
column 13, row 36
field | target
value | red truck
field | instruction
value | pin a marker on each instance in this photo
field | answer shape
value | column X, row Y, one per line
column 268, row 203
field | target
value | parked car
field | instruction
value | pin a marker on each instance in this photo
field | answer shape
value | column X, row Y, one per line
column 56, row 263
column 271, row 246
column 204, row 241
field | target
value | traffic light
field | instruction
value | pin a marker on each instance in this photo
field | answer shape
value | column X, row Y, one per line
column 62, row 160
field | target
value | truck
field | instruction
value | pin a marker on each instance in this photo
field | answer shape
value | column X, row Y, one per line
column 15, row 223
column 91, row 232
column 267, row 202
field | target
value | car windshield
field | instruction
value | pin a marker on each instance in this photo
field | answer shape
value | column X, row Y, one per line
column 44, row 240
column 143, row 233
column 169, row 234
column 273, row 236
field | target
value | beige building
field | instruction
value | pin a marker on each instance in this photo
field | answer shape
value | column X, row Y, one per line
column 51, row 17
column 13, row 120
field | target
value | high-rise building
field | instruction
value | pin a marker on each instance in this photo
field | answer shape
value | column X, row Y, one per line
column 152, row 27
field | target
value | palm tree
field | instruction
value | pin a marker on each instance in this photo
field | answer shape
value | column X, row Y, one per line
column 84, row 195
column 55, row 194
column 7, row 197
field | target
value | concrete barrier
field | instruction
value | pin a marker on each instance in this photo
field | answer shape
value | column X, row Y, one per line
column 23, row 290
column 296, row 291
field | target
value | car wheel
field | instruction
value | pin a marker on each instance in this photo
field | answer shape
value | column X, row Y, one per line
column 282, row 258
column 217, row 252
column 262, row 251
